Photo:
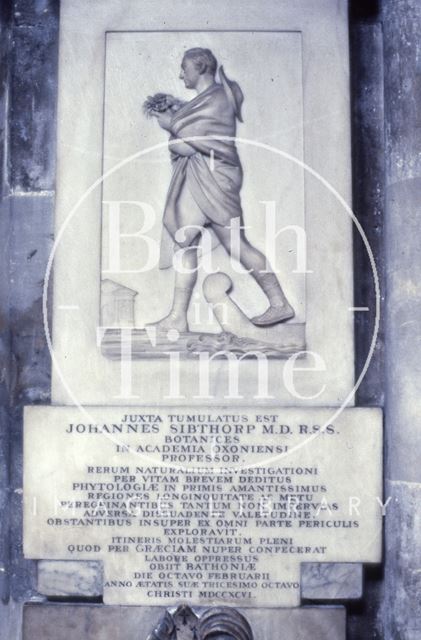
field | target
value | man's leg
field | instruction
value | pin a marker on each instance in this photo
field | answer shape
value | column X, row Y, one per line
column 252, row 259
column 183, row 289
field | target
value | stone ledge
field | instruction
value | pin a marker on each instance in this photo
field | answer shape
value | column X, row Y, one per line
column 331, row 580
column 70, row 578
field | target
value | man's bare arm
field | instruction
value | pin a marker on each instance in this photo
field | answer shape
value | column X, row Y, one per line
column 178, row 146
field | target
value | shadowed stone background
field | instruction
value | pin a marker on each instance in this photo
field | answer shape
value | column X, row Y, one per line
column 29, row 39
column 386, row 93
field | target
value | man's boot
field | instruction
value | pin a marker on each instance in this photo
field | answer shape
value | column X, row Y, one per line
column 177, row 317
column 279, row 308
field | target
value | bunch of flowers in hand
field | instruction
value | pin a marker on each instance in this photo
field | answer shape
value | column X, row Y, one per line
column 161, row 102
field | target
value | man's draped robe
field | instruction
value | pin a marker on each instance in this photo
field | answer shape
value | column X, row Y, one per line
column 205, row 187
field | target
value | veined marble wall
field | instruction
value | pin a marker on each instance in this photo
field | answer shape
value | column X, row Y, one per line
column 27, row 215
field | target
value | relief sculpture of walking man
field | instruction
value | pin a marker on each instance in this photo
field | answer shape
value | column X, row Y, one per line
column 205, row 188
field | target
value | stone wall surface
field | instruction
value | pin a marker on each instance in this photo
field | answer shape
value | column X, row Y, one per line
column 366, row 42
column 33, row 86
column 28, row 84
column 368, row 152
column 401, row 612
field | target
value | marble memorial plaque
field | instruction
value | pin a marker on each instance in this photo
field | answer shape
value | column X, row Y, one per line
column 203, row 506
column 113, row 224
column 198, row 453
